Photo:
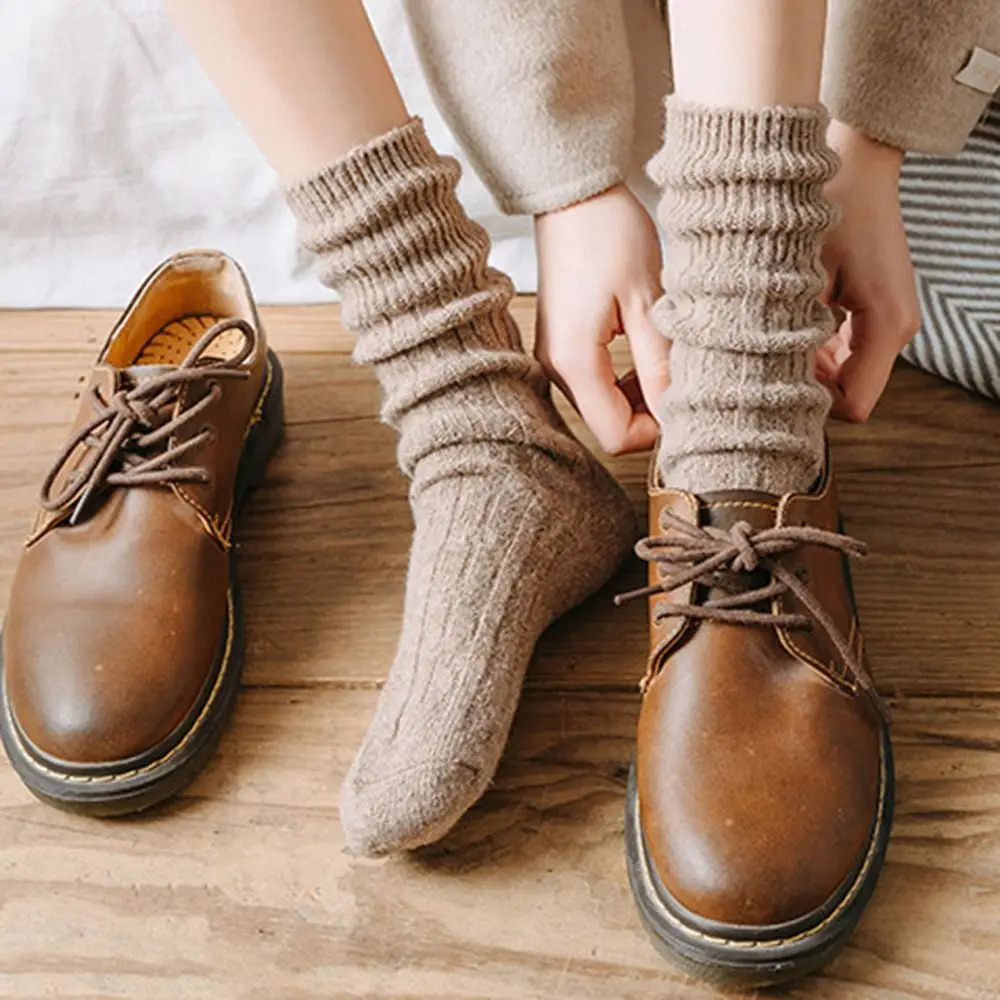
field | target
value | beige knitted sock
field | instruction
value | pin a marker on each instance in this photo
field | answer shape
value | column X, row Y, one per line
column 745, row 215
column 515, row 522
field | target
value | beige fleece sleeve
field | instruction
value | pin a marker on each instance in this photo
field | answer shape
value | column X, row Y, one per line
column 539, row 93
column 891, row 67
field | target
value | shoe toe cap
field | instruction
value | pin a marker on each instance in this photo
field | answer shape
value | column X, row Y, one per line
column 757, row 809
column 751, row 870
column 86, row 696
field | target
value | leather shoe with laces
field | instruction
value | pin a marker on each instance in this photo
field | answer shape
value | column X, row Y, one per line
column 123, row 642
column 760, row 803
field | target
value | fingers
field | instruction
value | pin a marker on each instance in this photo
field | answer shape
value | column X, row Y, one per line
column 870, row 275
column 864, row 375
column 585, row 375
column 829, row 360
column 618, row 411
column 875, row 343
column 650, row 351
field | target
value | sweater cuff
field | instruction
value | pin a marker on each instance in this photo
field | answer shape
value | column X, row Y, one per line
column 891, row 68
column 539, row 93
column 561, row 194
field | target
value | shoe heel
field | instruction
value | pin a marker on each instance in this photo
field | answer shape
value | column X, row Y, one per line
column 266, row 434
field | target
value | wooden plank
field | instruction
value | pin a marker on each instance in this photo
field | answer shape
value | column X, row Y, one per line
column 911, row 485
column 241, row 888
column 290, row 328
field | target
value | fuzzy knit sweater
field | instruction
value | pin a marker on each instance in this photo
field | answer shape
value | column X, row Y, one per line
column 557, row 100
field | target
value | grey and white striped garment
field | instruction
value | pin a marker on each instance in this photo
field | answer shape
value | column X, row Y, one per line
column 951, row 207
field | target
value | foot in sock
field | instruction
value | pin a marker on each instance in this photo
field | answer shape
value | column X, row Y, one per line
column 505, row 542
column 515, row 522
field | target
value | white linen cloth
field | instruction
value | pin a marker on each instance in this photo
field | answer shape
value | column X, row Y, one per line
column 116, row 151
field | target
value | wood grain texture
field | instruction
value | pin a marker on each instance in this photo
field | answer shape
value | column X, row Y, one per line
column 241, row 888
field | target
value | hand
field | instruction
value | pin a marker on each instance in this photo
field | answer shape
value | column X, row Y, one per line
column 870, row 274
column 599, row 268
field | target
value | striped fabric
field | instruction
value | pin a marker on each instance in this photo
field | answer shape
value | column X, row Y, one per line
column 952, row 213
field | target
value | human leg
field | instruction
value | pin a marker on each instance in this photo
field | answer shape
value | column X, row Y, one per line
column 514, row 521
column 761, row 803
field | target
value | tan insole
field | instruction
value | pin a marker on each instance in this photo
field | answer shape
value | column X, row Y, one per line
column 174, row 342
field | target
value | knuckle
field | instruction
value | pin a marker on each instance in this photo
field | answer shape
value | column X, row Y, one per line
column 904, row 319
column 857, row 412
column 615, row 449
column 912, row 322
column 613, row 441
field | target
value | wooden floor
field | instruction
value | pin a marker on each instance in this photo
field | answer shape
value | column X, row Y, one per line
column 241, row 890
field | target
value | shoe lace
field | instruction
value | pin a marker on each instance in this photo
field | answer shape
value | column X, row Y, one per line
column 724, row 560
column 128, row 438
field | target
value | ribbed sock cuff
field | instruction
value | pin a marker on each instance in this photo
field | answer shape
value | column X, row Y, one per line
column 393, row 239
column 745, row 213
column 363, row 174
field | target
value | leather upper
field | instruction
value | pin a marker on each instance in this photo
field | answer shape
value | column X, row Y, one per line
column 116, row 622
column 758, row 761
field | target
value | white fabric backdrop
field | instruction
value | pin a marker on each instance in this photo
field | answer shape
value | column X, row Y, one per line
column 115, row 151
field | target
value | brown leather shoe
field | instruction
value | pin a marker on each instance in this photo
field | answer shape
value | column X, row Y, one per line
column 760, row 803
column 123, row 642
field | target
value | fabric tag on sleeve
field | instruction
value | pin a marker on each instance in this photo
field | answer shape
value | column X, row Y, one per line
column 981, row 71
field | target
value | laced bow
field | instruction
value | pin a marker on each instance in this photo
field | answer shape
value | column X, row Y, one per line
column 724, row 560
column 130, row 440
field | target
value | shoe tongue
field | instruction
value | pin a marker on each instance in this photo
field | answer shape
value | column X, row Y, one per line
column 137, row 374
column 109, row 379
column 724, row 508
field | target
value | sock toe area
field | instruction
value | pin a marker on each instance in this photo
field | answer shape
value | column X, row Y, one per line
column 409, row 808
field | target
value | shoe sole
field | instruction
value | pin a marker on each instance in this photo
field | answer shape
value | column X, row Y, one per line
column 746, row 958
column 129, row 786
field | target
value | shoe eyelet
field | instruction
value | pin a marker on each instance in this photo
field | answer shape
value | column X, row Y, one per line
column 209, row 432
